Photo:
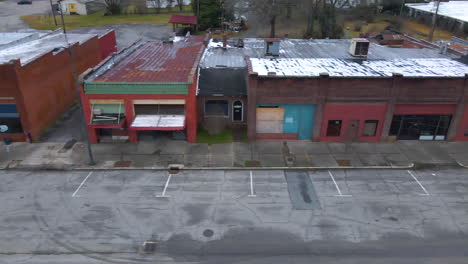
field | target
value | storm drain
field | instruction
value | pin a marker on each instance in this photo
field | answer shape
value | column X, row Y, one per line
column 301, row 191
column 150, row 246
column 208, row 233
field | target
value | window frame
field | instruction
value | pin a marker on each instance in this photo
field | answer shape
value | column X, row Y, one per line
column 210, row 115
column 370, row 121
column 340, row 123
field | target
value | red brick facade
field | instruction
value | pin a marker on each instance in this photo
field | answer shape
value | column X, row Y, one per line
column 44, row 88
column 363, row 99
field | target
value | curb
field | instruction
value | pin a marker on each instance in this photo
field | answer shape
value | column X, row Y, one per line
column 461, row 164
column 52, row 168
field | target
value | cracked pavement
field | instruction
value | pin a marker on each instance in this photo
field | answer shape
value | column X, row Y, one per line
column 382, row 216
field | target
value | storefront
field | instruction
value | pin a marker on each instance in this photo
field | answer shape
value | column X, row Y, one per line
column 421, row 122
column 352, row 122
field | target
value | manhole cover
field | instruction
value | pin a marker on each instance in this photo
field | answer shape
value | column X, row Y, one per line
column 150, row 246
column 208, row 233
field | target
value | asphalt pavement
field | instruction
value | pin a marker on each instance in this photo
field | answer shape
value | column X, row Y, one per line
column 358, row 216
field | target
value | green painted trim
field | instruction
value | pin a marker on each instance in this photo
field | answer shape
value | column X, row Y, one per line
column 136, row 88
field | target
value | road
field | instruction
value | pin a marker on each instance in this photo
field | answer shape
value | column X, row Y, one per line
column 338, row 216
column 10, row 13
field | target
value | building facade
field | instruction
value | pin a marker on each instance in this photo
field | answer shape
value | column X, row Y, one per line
column 36, row 78
column 419, row 103
column 145, row 91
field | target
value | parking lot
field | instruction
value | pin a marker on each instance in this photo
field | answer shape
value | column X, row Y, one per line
column 108, row 215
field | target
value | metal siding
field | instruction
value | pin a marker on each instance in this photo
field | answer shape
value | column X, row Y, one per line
column 136, row 88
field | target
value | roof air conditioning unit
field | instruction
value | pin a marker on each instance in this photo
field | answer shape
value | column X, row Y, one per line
column 359, row 47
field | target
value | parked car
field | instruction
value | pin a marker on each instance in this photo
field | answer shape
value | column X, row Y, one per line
column 24, row 2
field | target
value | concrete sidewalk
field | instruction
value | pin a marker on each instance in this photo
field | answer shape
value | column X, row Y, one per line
column 160, row 153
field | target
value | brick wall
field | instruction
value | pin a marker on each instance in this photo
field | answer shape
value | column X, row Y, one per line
column 47, row 85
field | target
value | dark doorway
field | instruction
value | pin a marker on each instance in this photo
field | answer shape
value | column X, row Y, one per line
column 353, row 130
column 237, row 111
column 420, row 127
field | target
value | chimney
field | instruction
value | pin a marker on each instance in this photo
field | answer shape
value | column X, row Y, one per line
column 272, row 47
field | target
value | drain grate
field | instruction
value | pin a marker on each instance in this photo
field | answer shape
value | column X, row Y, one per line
column 208, row 233
column 150, row 246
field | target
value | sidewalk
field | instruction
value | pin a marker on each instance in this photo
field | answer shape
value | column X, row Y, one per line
column 161, row 153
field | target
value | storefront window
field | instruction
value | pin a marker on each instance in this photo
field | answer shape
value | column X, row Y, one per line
column 420, row 127
column 370, row 128
column 10, row 125
column 466, row 132
column 107, row 114
column 334, row 128
column 216, row 108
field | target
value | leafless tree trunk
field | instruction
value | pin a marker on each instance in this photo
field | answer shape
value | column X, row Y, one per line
column 180, row 4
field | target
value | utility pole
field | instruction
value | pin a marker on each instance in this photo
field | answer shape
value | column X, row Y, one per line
column 402, row 6
column 77, row 88
column 198, row 15
column 53, row 11
column 434, row 21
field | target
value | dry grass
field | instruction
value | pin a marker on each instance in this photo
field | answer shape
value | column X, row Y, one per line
column 46, row 22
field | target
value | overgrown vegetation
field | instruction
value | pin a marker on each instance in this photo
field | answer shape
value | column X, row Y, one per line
column 223, row 137
column 210, row 13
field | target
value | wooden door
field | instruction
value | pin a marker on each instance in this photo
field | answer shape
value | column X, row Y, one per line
column 72, row 8
column 353, row 130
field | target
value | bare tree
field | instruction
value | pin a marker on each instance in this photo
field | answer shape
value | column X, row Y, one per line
column 113, row 7
column 157, row 5
column 170, row 3
column 180, row 4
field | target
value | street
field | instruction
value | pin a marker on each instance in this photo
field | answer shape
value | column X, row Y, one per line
column 269, row 216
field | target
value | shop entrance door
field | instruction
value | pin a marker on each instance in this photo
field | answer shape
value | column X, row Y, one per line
column 237, row 111
column 353, row 130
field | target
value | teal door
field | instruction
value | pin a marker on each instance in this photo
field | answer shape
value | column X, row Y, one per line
column 306, row 117
column 299, row 119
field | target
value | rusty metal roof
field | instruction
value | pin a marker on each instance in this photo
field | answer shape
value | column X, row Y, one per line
column 157, row 62
column 181, row 19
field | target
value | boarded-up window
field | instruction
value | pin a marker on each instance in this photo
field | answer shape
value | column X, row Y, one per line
column 370, row 128
column 334, row 128
column 270, row 120
column 216, row 108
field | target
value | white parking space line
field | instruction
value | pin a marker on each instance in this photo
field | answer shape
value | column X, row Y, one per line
column 79, row 187
column 252, row 193
column 416, row 179
column 163, row 195
column 338, row 187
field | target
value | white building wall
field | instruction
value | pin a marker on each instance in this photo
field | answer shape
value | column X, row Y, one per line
column 80, row 7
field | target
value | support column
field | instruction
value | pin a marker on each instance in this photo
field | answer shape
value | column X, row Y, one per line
column 130, row 115
column 252, row 82
column 394, row 92
column 324, row 85
column 459, row 112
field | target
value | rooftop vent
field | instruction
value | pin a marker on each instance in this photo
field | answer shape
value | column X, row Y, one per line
column 359, row 47
column 272, row 47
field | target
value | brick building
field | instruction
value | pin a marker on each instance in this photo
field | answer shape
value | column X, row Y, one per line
column 392, row 94
column 36, row 80
column 145, row 91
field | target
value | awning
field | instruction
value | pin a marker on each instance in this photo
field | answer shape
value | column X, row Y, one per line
column 158, row 122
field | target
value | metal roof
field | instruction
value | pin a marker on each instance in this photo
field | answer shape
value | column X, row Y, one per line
column 185, row 20
column 234, row 57
column 153, row 62
column 28, row 48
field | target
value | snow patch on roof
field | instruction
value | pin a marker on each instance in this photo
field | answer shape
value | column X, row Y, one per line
column 29, row 51
column 454, row 9
column 347, row 68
